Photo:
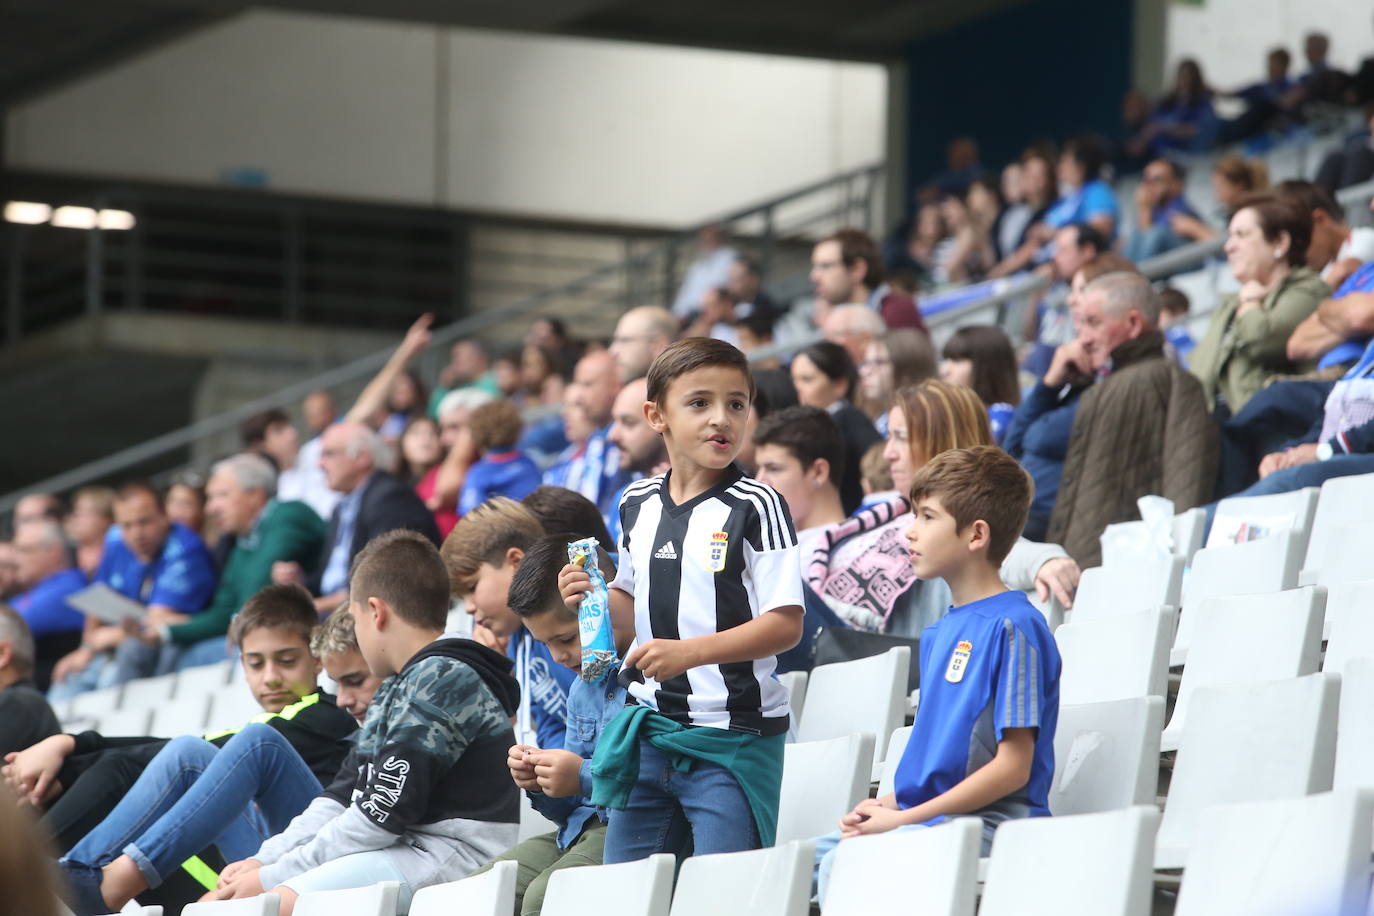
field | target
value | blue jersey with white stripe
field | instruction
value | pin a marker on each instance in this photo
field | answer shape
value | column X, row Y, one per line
column 986, row 666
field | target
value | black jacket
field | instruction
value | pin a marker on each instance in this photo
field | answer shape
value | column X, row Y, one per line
column 388, row 504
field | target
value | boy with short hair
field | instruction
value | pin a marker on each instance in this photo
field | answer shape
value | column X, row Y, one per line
column 559, row 780
column 502, row 470
column 1173, row 321
column 875, row 476
column 983, row 742
column 483, row 554
column 192, row 796
column 710, row 575
column 429, row 800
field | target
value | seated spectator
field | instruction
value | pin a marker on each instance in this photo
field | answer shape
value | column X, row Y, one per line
column 980, row 357
column 1322, row 83
column 560, row 509
column 86, row 525
column 986, row 209
column 642, row 452
column 1344, row 324
column 710, row 269
column 1354, row 163
column 876, row 477
column 1362, row 83
column 482, row 555
column 799, row 453
column 591, row 464
column 1157, row 198
column 441, row 487
column 421, row 454
column 1247, row 340
column 1336, row 250
column 266, row 532
column 48, row 577
column 196, row 792
column 394, row 395
column 1038, row 436
column 853, row 327
column 991, row 757
column 37, row 507
column 961, row 166
column 468, row 366
column 184, row 503
column 1233, row 178
column 319, row 412
column 1143, row 428
column 9, row 571
column 825, row 377
column 1083, row 196
column 753, row 333
column 1037, row 193
column 503, row 470
column 541, row 376
column 25, row 716
column 374, row 503
column 846, row 268
column 1268, row 103
column 862, row 567
column 892, row 362
column 148, row 559
column 557, row 781
column 271, row 435
column 299, row 478
column 715, row 317
column 1173, row 318
column 745, row 283
column 1049, row 322
column 1184, row 120
column 443, row 716
column 549, row 333
column 970, row 254
column 81, row 778
column 640, row 335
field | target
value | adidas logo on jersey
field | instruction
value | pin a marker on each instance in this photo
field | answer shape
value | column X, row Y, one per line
column 666, row 552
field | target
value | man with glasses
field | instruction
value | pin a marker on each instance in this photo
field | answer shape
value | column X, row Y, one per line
column 1158, row 199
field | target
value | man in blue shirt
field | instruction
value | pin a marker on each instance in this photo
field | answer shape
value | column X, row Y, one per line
column 152, row 560
column 46, row 571
column 1158, row 199
column 1337, row 333
column 591, row 465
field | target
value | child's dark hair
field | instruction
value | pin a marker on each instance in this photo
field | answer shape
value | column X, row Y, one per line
column 874, row 470
column 808, row 433
column 1173, row 301
column 561, row 509
column 835, row 363
column 689, row 355
column 534, row 587
column 982, row 482
column 495, row 426
column 773, row 390
column 994, row 362
column 276, row 607
column 485, row 535
column 403, row 569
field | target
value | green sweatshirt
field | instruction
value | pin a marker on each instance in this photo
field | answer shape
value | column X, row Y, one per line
column 284, row 531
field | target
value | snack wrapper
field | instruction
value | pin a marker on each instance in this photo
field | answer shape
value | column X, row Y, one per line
column 593, row 614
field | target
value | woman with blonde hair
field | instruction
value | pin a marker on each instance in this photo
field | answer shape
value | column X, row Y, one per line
column 1233, row 177
column 862, row 570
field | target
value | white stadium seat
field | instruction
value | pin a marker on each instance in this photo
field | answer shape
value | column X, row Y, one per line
column 374, row 900
column 896, row 746
column 765, row 882
column 643, row 888
column 532, row 823
column 865, row 695
column 1155, row 580
column 1106, row 755
column 1342, row 516
column 261, row 905
column 821, row 781
column 1355, row 727
column 1349, row 628
column 932, row 872
column 1115, row 657
column 491, row 893
column 1265, row 516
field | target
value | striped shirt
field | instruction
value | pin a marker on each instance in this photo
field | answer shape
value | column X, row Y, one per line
column 717, row 561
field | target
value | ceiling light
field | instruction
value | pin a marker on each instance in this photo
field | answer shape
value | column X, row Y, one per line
column 74, row 217
column 27, row 212
column 115, row 219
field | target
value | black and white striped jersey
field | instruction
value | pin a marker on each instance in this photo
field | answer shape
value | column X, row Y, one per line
column 712, row 563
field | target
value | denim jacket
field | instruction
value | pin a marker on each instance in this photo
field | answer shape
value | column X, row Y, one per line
column 590, row 707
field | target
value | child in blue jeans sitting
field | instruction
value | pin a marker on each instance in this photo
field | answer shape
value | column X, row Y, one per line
column 983, row 742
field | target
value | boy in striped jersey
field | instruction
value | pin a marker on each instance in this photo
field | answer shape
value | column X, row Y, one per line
column 710, row 583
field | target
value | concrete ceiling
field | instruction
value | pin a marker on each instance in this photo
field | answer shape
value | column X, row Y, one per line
column 45, row 43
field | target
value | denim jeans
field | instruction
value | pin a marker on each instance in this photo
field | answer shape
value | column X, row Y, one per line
column 1312, row 474
column 669, row 809
column 193, row 795
column 99, row 674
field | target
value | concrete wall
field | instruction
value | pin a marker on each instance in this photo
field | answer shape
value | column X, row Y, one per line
column 589, row 130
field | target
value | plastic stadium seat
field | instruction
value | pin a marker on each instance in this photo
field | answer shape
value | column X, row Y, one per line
column 532, row 823
column 184, row 716
column 203, row 679
column 896, row 746
column 1080, row 865
column 1249, row 742
column 1106, row 755
column 95, row 703
column 1349, row 623
column 124, row 723
column 1265, row 516
column 1151, row 581
column 865, row 695
column 491, row 893
column 1279, row 858
column 642, row 888
column 933, row 872
column 1342, row 511
column 1258, row 567
column 149, row 692
column 375, row 900
column 133, row 909
column 1355, row 727
column 1116, row 657
column 764, row 882
column 232, row 707
column 795, row 682
column 1249, row 638
column 261, row 905
column 821, row 781
column 1345, row 559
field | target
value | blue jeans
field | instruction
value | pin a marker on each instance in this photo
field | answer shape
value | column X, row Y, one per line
column 669, row 809
column 193, row 795
column 1313, row 474
column 99, row 674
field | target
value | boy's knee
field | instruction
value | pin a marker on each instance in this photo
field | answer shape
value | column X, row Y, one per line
column 190, row 748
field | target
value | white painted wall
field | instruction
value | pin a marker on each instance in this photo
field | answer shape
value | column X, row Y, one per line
column 1231, row 37
column 531, row 125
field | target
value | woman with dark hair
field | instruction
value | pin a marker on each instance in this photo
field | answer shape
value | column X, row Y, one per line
column 1083, row 196
column 405, row 400
column 1184, row 120
column 1247, row 340
column 896, row 360
column 981, row 357
column 825, row 377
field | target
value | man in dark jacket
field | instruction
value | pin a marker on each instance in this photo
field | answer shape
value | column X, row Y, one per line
column 374, row 503
column 1141, row 429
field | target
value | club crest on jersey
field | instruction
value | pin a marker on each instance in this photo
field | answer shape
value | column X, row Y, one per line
column 958, row 661
column 715, row 553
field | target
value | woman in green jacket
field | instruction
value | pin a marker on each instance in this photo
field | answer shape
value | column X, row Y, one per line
column 1247, row 341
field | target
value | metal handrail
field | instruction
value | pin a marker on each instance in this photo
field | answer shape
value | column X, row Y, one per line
column 471, row 325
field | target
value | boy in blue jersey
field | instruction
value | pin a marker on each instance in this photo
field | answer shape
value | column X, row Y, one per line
column 483, row 553
column 983, row 742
